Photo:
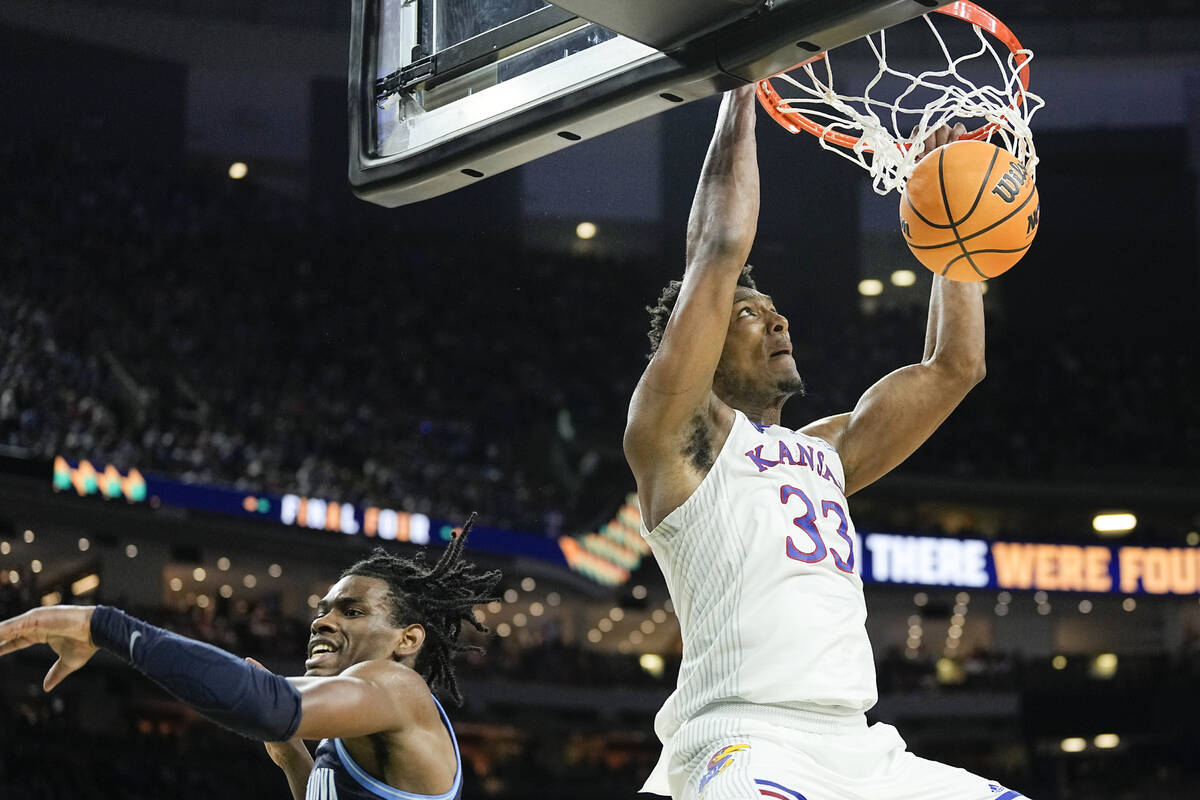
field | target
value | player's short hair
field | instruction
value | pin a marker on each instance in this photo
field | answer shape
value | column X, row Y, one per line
column 661, row 312
column 439, row 598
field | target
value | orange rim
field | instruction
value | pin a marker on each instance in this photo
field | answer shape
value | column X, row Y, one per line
column 794, row 121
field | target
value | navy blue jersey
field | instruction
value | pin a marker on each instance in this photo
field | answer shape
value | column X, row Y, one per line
column 335, row 776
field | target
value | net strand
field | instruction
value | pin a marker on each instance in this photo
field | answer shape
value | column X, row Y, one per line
column 889, row 154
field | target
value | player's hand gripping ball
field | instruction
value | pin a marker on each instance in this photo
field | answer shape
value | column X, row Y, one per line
column 969, row 211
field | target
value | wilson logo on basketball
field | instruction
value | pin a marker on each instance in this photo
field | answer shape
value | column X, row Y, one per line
column 1010, row 182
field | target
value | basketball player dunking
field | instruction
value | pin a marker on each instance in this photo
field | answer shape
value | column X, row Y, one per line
column 384, row 636
column 748, row 519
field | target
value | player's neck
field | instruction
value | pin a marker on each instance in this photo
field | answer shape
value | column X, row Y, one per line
column 763, row 412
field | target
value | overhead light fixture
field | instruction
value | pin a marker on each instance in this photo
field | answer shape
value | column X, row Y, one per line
column 1106, row 741
column 238, row 170
column 1114, row 523
column 1075, row 744
column 871, row 287
column 585, row 230
column 87, row 583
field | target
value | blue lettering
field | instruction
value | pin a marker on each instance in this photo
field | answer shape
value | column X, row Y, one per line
column 785, row 455
column 756, row 456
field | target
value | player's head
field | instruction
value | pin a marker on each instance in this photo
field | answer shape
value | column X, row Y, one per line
column 390, row 607
column 757, row 368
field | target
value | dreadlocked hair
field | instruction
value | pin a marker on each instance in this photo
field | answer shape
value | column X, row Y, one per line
column 439, row 598
column 660, row 314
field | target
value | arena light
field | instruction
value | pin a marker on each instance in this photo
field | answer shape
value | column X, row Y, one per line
column 1114, row 523
column 1059, row 662
column 199, row 574
column 238, row 170
column 35, row 566
column 51, row 599
column 28, row 536
column 903, row 277
column 1193, row 538
column 131, row 550
column 1104, row 666
column 87, row 583
column 585, row 230
column 1107, row 741
column 870, row 287
column 84, row 544
column 1074, row 744
column 5, row 548
column 652, row 663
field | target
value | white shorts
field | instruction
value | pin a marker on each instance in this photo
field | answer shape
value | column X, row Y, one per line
column 751, row 752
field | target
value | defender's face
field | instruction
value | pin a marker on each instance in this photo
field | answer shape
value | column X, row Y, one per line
column 758, row 347
column 353, row 625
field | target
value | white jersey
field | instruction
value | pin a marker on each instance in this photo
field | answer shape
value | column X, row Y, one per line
column 763, row 566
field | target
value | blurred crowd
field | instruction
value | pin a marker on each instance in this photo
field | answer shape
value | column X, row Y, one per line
column 215, row 332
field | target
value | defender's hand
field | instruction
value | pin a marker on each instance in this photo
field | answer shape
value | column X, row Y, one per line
column 944, row 134
column 67, row 629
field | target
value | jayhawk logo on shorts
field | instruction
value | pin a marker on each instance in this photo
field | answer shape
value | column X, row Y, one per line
column 720, row 760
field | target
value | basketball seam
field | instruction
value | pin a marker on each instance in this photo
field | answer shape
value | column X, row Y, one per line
column 983, row 230
column 978, row 252
column 950, row 215
column 978, row 197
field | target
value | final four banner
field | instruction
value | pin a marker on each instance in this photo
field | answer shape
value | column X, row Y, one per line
column 1026, row 566
column 609, row 555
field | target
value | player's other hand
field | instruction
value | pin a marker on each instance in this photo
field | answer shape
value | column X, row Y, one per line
column 67, row 629
column 284, row 754
column 943, row 134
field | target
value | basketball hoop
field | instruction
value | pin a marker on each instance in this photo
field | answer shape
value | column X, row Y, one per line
column 867, row 130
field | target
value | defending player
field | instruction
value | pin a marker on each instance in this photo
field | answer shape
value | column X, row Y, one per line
column 384, row 636
column 748, row 519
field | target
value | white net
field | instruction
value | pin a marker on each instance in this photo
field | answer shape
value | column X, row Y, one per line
column 932, row 98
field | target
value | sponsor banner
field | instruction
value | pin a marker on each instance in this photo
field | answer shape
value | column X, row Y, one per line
column 1026, row 566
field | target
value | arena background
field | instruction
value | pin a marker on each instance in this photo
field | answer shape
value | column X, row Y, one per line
column 266, row 377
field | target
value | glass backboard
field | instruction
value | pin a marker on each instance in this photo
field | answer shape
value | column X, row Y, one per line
column 444, row 93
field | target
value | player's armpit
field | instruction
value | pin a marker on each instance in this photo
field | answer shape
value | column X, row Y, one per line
column 370, row 697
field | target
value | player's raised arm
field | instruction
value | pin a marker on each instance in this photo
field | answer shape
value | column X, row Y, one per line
column 896, row 415
column 724, row 216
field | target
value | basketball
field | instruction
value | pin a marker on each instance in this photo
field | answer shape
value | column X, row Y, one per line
column 969, row 211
